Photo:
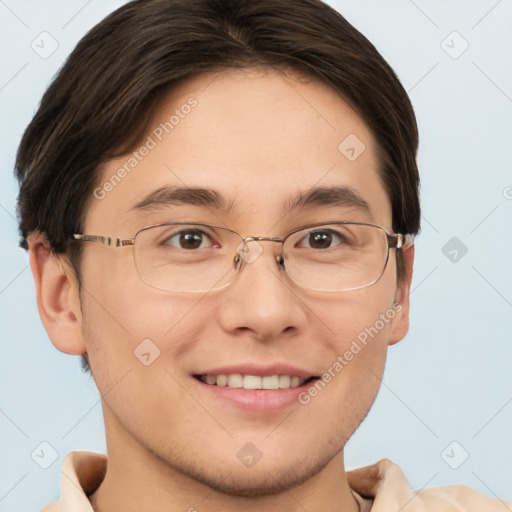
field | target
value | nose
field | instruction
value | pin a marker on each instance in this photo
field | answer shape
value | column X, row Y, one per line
column 261, row 302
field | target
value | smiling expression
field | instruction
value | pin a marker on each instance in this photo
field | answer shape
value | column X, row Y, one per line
column 258, row 153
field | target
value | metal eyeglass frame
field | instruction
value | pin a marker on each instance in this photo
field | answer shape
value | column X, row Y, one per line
column 395, row 241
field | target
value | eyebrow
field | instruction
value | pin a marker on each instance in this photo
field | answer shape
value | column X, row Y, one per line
column 166, row 196
column 317, row 196
column 330, row 196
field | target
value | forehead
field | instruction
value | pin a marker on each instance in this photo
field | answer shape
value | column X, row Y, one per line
column 257, row 137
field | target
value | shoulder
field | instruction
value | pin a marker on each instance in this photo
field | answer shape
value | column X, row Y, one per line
column 385, row 484
column 81, row 474
column 462, row 498
column 52, row 507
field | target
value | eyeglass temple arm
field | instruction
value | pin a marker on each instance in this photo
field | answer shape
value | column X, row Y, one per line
column 399, row 241
column 104, row 240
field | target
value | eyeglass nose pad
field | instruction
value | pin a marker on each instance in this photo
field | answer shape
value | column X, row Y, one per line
column 249, row 253
column 237, row 260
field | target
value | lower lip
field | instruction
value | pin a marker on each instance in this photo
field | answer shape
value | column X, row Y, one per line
column 265, row 401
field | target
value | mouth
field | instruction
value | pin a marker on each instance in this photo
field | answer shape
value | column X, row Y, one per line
column 255, row 388
column 250, row 382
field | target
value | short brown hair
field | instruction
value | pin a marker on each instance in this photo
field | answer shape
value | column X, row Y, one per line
column 101, row 102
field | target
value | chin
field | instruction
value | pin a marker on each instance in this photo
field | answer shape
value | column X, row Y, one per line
column 264, row 478
column 243, row 482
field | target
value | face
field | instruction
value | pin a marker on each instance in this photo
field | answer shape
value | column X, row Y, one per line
column 258, row 140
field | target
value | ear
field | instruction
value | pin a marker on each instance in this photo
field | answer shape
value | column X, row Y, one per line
column 57, row 295
column 400, row 323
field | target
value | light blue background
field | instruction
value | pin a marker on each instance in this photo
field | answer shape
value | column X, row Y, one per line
column 449, row 380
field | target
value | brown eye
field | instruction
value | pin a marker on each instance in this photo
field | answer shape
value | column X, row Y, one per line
column 189, row 240
column 321, row 239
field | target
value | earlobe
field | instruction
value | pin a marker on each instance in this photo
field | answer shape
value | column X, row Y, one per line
column 400, row 324
column 57, row 296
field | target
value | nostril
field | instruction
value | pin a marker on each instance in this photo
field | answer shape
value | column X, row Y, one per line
column 280, row 260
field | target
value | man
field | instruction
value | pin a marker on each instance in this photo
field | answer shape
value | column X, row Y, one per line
column 218, row 199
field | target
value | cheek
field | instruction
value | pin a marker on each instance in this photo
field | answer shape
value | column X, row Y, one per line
column 134, row 348
column 128, row 310
column 119, row 325
column 131, row 327
column 359, row 329
column 361, row 317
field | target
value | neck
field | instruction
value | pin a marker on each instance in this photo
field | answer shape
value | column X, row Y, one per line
column 137, row 479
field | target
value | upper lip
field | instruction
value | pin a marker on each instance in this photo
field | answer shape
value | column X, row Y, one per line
column 259, row 370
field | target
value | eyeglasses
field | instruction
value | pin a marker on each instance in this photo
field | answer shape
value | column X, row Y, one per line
column 192, row 257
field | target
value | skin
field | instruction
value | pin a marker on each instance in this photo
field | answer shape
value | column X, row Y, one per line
column 257, row 137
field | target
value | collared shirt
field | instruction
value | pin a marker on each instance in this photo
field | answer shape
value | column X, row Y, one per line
column 381, row 487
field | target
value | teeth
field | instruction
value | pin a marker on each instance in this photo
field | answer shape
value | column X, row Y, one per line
column 270, row 382
column 252, row 382
column 222, row 380
column 284, row 381
column 236, row 380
